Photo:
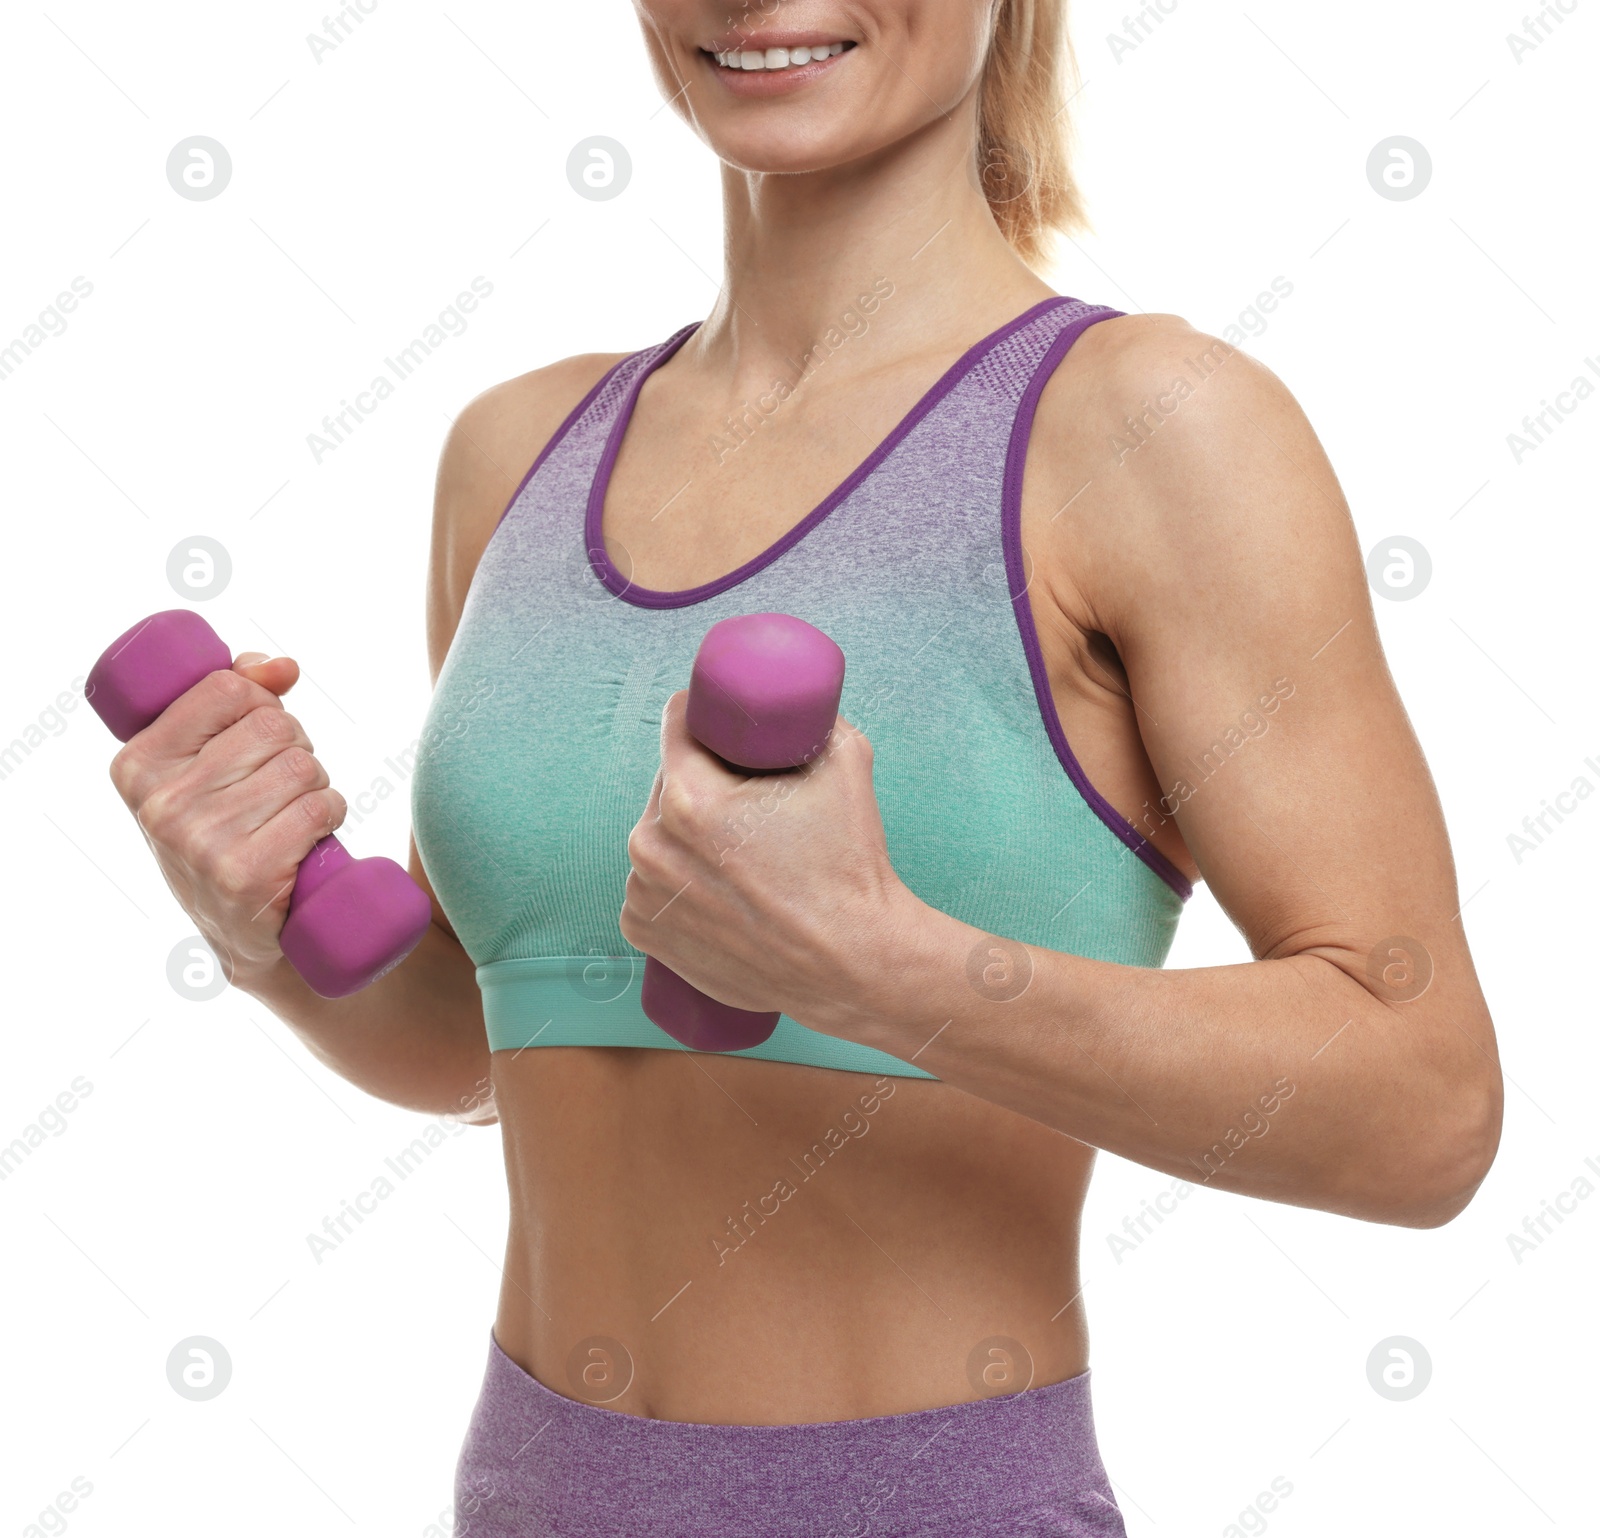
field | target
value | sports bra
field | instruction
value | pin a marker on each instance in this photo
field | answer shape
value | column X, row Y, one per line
column 542, row 738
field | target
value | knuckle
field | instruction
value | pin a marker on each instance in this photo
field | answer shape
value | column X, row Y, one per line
column 124, row 769
column 299, row 768
column 320, row 811
column 647, row 851
column 679, row 806
column 231, row 688
column 639, row 847
column 271, row 725
column 158, row 813
column 234, row 875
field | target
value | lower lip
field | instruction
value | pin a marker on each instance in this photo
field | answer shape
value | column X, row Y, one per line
column 773, row 82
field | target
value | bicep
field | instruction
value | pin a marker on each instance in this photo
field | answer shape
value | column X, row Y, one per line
column 1271, row 719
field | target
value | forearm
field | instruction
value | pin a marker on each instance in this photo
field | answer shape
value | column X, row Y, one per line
column 1284, row 1079
column 414, row 1038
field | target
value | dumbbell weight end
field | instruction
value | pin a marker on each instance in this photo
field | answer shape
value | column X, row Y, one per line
column 350, row 921
column 699, row 1022
column 763, row 695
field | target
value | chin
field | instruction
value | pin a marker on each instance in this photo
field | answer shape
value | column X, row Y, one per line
column 791, row 148
column 783, row 98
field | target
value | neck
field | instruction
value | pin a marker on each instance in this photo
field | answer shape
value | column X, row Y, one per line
column 907, row 230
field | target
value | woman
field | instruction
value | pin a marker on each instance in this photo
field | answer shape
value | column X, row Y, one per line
column 1107, row 633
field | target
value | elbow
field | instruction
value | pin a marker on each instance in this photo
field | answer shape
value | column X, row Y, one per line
column 1442, row 1171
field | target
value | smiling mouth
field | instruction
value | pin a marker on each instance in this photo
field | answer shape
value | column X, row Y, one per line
column 753, row 59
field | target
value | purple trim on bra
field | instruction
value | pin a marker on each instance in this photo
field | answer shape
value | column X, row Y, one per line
column 1011, row 536
column 566, row 426
column 650, row 598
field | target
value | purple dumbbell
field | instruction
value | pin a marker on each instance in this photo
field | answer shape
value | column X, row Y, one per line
column 763, row 694
column 350, row 920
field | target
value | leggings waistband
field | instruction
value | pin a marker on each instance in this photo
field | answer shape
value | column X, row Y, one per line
column 1024, row 1465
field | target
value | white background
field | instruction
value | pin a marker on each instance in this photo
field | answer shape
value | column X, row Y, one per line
column 1227, row 149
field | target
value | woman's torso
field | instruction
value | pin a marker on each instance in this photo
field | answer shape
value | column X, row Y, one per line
column 926, row 1249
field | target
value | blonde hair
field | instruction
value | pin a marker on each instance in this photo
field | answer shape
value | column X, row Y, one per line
column 1023, row 131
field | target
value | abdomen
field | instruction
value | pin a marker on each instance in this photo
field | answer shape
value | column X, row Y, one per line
column 744, row 1242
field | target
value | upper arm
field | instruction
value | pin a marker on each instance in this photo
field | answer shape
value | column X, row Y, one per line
column 1221, row 560
column 486, row 453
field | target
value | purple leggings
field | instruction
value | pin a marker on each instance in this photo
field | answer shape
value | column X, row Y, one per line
column 536, row 1464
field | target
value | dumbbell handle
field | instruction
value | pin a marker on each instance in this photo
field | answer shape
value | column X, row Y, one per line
column 763, row 695
column 350, row 921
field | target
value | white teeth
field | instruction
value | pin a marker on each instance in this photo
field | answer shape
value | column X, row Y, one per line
column 776, row 58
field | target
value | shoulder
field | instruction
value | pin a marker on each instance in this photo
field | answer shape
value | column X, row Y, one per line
column 1134, row 385
column 523, row 411
column 1190, row 465
column 491, row 443
column 499, row 433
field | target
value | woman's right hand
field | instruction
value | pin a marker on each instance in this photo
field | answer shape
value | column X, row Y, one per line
column 227, row 793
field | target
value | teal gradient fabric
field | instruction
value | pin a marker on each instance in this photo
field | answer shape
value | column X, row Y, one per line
column 542, row 738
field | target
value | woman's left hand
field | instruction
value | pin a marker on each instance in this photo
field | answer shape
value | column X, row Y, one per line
column 769, row 891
